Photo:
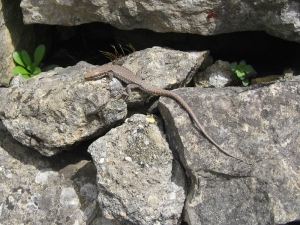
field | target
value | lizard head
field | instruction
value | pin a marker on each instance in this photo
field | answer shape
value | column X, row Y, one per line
column 96, row 73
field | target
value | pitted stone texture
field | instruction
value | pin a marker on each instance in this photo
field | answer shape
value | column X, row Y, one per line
column 134, row 169
column 279, row 18
column 53, row 111
column 35, row 189
column 217, row 75
column 259, row 124
column 15, row 36
column 165, row 68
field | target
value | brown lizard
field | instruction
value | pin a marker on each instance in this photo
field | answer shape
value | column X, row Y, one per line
column 130, row 78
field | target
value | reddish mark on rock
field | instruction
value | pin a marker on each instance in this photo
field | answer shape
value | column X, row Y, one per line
column 211, row 15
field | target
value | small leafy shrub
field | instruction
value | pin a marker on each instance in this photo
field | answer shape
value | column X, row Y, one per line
column 241, row 71
column 25, row 66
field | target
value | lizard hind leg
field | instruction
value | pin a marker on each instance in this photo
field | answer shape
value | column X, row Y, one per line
column 129, row 87
column 127, row 90
column 110, row 75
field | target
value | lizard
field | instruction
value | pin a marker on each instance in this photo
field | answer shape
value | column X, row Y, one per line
column 130, row 78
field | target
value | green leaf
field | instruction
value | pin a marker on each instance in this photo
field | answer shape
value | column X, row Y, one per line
column 18, row 58
column 26, row 76
column 50, row 67
column 39, row 54
column 36, row 71
column 31, row 67
column 242, row 63
column 19, row 70
column 248, row 69
column 245, row 82
column 233, row 66
column 240, row 74
column 26, row 58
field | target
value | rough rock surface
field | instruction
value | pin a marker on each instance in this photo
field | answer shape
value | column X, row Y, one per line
column 15, row 36
column 53, row 111
column 134, row 170
column 166, row 68
column 217, row 75
column 139, row 182
column 259, row 124
column 279, row 18
column 38, row 190
column 6, row 48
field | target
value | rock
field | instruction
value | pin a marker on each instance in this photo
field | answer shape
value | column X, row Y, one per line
column 288, row 73
column 15, row 36
column 165, row 68
column 17, row 81
column 269, row 78
column 141, row 176
column 40, row 190
column 217, row 75
column 141, row 191
column 54, row 111
column 278, row 18
column 11, row 23
column 259, row 124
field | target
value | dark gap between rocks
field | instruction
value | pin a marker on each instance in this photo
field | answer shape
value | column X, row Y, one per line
column 267, row 54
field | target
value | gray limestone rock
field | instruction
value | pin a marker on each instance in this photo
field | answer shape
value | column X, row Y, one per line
column 134, row 170
column 35, row 189
column 139, row 180
column 15, row 36
column 54, row 111
column 279, row 18
column 165, row 68
column 259, row 124
column 217, row 75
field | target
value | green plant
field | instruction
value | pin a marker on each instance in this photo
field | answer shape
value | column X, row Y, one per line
column 25, row 66
column 241, row 71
